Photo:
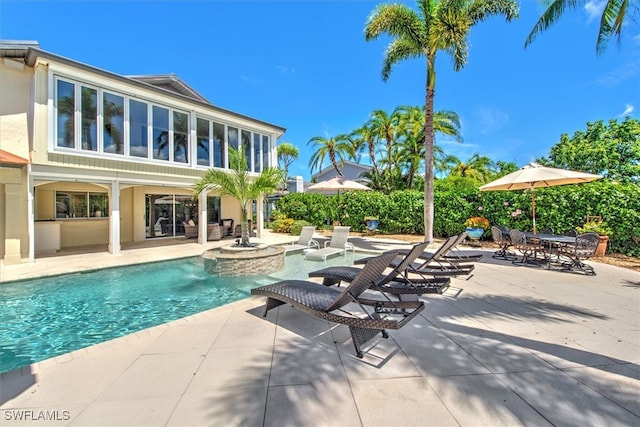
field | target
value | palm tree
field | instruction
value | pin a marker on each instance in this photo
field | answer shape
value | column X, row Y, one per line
column 411, row 131
column 477, row 167
column 438, row 25
column 613, row 17
column 238, row 184
column 383, row 128
column 337, row 148
column 287, row 154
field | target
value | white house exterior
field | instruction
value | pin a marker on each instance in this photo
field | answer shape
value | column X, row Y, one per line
column 350, row 170
column 90, row 157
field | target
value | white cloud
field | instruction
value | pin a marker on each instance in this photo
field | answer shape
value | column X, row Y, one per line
column 628, row 109
column 285, row 69
column 490, row 119
column 594, row 9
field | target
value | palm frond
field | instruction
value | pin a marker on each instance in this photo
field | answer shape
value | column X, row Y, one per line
column 555, row 10
column 611, row 23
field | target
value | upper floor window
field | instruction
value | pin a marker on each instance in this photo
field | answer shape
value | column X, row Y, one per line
column 138, row 129
column 65, row 119
column 96, row 121
column 113, row 123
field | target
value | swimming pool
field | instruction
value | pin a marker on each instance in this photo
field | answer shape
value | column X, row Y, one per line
column 43, row 318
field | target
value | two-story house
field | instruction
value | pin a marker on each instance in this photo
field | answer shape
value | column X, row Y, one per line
column 91, row 157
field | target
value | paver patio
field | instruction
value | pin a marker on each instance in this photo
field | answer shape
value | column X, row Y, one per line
column 509, row 346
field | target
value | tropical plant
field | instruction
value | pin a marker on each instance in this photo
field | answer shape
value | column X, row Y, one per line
column 238, row 184
column 614, row 16
column 287, row 154
column 338, row 149
column 477, row 167
column 594, row 226
column 437, row 26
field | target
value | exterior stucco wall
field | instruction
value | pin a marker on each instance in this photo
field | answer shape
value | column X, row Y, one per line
column 15, row 102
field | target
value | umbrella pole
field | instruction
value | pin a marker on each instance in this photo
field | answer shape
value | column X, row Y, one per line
column 533, row 205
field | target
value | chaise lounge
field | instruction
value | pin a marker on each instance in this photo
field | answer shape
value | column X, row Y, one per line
column 364, row 315
column 337, row 245
column 305, row 241
column 397, row 282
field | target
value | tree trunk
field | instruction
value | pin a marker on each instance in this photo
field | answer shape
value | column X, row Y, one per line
column 244, row 227
column 428, row 151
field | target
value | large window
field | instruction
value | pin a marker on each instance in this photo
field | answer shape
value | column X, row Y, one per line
column 96, row 121
column 65, row 108
column 160, row 133
column 180, row 137
column 265, row 152
column 113, row 123
column 89, row 114
column 246, row 148
column 218, row 145
column 203, row 142
column 81, row 205
column 256, row 153
column 138, row 129
column 232, row 139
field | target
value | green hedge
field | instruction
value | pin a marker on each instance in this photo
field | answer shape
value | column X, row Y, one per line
column 559, row 208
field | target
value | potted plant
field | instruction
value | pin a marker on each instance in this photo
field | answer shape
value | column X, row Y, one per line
column 600, row 227
column 475, row 226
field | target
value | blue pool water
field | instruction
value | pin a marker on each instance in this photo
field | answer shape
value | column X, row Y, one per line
column 47, row 317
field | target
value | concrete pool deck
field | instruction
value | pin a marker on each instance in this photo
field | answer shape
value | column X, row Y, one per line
column 509, row 346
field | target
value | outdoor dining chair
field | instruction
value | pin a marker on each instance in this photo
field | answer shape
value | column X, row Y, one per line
column 573, row 256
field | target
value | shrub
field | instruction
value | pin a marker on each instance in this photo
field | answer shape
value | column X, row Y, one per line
column 282, row 225
column 296, row 227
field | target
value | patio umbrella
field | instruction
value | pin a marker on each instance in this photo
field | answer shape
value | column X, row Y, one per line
column 337, row 184
column 534, row 176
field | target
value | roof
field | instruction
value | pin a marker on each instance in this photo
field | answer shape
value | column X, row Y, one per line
column 364, row 168
column 6, row 158
column 167, row 84
column 172, row 83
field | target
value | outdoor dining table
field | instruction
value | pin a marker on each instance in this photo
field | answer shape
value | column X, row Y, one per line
column 551, row 241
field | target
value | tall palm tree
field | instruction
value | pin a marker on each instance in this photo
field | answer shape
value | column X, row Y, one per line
column 238, row 184
column 364, row 136
column 613, row 17
column 338, row 149
column 438, row 25
column 287, row 154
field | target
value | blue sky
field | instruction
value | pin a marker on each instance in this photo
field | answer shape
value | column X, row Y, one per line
column 305, row 65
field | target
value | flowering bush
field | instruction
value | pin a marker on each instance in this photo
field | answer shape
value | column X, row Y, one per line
column 599, row 227
column 477, row 222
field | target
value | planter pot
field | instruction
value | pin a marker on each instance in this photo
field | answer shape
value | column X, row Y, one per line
column 601, row 250
column 474, row 233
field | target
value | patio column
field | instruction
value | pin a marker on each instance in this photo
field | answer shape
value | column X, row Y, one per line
column 30, row 216
column 13, row 223
column 114, row 218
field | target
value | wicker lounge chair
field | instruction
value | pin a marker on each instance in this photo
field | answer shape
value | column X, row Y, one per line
column 436, row 264
column 396, row 282
column 353, row 305
column 337, row 245
column 305, row 241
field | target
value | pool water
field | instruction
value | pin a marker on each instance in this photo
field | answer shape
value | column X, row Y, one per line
column 47, row 317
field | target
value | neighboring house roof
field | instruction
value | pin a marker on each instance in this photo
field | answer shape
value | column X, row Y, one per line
column 167, row 84
column 330, row 172
column 6, row 158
